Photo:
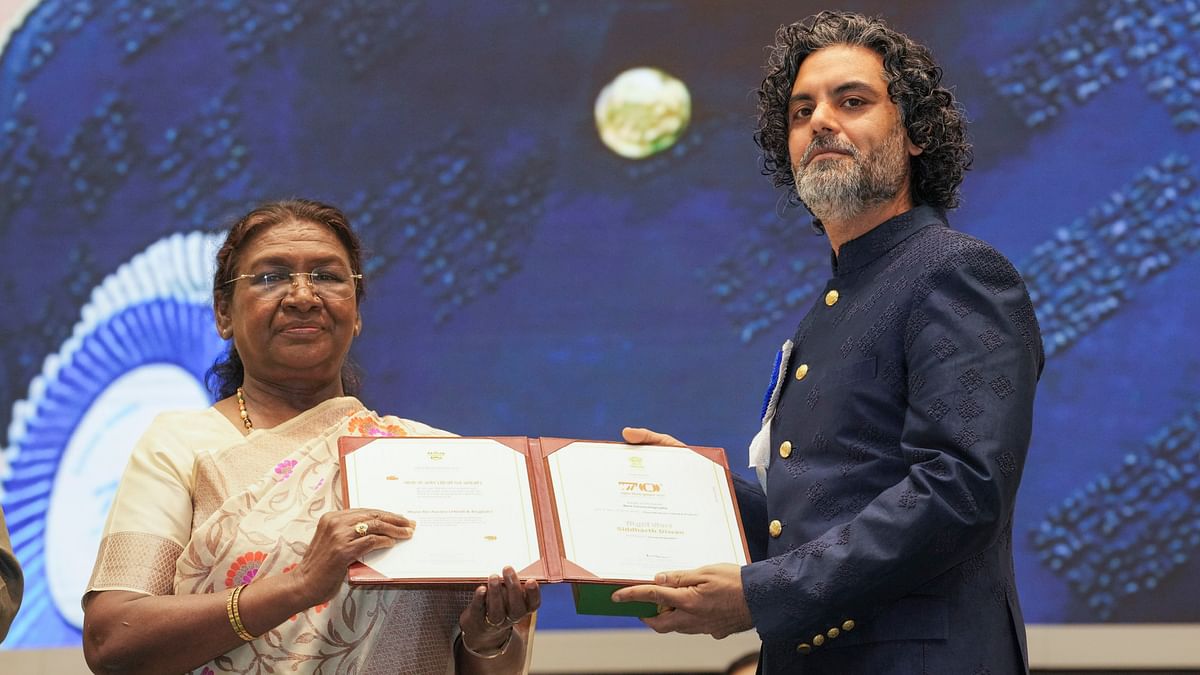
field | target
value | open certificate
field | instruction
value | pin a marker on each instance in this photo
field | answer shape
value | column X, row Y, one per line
column 555, row 509
column 469, row 497
column 627, row 512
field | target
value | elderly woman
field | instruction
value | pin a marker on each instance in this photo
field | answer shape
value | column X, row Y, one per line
column 227, row 544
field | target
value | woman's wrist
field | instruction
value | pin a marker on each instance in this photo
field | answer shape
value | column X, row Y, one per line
column 482, row 647
column 273, row 599
column 300, row 590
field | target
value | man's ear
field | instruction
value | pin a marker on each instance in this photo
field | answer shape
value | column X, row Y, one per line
column 913, row 148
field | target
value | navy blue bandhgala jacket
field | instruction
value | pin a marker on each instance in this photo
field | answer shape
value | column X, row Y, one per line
column 883, row 542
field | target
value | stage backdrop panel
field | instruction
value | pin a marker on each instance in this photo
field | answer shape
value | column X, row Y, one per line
column 569, row 234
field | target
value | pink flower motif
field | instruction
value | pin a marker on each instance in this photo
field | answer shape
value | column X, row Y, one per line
column 244, row 569
column 207, row 671
column 283, row 470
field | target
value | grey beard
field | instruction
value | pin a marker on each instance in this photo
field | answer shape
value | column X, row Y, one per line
column 835, row 192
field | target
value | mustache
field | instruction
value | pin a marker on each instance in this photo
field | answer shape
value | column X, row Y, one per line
column 823, row 143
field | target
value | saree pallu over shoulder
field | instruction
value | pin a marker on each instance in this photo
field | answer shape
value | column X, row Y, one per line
column 264, row 456
column 254, row 485
column 257, row 504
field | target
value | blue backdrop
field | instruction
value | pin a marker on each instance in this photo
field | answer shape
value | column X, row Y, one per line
column 528, row 280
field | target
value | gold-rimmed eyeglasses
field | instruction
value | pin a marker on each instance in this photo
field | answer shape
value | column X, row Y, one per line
column 327, row 283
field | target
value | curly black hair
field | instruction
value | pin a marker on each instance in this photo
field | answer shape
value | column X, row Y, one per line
column 933, row 119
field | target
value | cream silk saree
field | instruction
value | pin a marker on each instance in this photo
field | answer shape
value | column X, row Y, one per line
column 201, row 509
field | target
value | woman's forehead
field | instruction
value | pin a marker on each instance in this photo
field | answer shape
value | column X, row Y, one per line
column 294, row 239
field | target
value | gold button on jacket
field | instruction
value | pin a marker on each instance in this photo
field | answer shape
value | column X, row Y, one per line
column 848, row 624
column 804, row 648
column 833, row 632
column 818, row 640
column 801, row 371
column 831, row 298
column 785, row 449
column 776, row 528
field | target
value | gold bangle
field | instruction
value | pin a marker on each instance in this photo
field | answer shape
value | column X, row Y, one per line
column 238, row 626
column 229, row 608
column 499, row 651
column 235, row 615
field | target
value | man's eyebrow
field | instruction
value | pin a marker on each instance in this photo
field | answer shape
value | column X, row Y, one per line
column 844, row 88
column 854, row 85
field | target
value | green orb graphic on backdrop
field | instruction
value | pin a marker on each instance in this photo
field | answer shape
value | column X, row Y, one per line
column 641, row 112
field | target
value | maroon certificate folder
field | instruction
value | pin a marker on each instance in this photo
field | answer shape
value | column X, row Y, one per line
column 593, row 513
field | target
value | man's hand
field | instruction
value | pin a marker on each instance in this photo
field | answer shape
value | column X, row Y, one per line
column 705, row 600
column 640, row 436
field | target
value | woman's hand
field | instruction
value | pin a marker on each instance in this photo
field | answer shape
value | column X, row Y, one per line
column 341, row 538
column 488, row 618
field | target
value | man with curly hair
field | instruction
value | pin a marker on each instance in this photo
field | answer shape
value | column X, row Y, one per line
column 898, row 418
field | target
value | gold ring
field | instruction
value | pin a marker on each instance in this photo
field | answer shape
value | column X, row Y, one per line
column 488, row 619
column 362, row 528
column 663, row 609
